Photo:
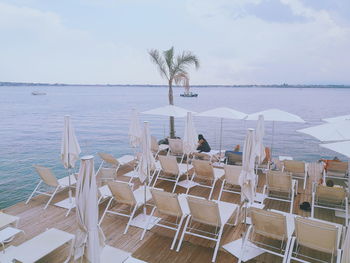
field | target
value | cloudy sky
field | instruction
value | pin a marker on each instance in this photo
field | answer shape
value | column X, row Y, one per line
column 237, row 41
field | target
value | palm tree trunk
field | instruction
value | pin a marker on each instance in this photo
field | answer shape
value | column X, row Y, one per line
column 171, row 102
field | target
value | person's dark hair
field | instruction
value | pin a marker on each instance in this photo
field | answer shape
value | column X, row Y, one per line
column 330, row 183
column 200, row 137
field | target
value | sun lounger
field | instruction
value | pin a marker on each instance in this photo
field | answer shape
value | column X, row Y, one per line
column 315, row 235
column 170, row 170
column 49, row 179
column 176, row 148
column 212, row 213
column 297, row 169
column 169, row 205
column 8, row 220
column 204, row 170
column 122, row 193
column 230, row 182
column 7, row 234
column 336, row 170
column 332, row 198
column 271, row 226
column 106, row 174
column 157, row 148
column 42, row 245
column 116, row 162
column 281, row 187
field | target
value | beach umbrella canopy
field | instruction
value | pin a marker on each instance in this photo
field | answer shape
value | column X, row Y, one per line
column 135, row 131
column 259, row 136
column 247, row 178
column 70, row 148
column 190, row 137
column 223, row 113
column 89, row 239
column 147, row 161
column 336, row 119
column 169, row 110
column 335, row 131
column 339, row 147
column 275, row 115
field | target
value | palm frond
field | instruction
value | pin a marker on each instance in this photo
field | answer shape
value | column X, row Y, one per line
column 159, row 61
column 185, row 60
column 169, row 57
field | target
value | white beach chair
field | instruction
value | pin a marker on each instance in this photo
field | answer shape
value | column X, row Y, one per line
column 49, row 179
column 116, row 162
column 176, row 148
column 8, row 228
column 157, row 148
column 212, row 213
column 8, row 220
column 315, row 235
column 336, row 170
column 168, row 205
column 170, row 170
column 42, row 245
column 268, row 225
column 281, row 187
column 230, row 182
column 332, row 198
column 204, row 171
column 105, row 174
column 297, row 169
column 122, row 193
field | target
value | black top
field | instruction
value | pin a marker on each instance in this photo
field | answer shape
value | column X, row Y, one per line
column 204, row 146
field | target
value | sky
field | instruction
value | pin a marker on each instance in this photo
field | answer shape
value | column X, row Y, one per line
column 237, row 41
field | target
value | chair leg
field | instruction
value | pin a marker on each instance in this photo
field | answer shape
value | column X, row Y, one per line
column 290, row 252
column 177, row 232
column 131, row 217
column 154, row 183
column 221, row 189
column 291, row 202
column 313, row 205
column 52, row 196
column 36, row 188
column 286, row 253
column 183, row 234
column 217, row 244
column 104, row 213
column 148, row 222
column 212, row 189
column 176, row 182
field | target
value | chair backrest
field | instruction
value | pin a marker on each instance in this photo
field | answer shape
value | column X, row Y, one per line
column 106, row 173
column 166, row 203
column 108, row 158
column 122, row 192
column 333, row 195
column 154, row 144
column 293, row 166
column 169, row 164
column 233, row 158
column 203, row 169
column 337, row 166
column 176, row 146
column 232, row 173
column 46, row 175
column 316, row 235
column 269, row 224
column 279, row 181
column 204, row 211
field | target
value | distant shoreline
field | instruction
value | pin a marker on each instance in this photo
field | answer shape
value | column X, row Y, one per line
column 19, row 84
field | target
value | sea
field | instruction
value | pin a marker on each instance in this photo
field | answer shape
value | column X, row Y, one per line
column 31, row 126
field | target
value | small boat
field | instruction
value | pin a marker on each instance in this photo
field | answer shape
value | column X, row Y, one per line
column 186, row 83
column 38, row 93
column 189, row 94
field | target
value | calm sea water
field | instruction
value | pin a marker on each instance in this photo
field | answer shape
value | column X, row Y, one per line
column 31, row 126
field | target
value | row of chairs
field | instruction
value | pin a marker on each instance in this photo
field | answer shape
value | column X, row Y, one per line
column 169, row 205
column 317, row 235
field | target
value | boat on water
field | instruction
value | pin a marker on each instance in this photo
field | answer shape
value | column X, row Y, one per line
column 189, row 94
column 38, row 93
column 186, row 84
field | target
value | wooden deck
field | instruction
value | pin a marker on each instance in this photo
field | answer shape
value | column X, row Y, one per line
column 155, row 247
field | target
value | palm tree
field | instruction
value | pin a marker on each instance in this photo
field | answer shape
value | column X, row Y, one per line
column 173, row 69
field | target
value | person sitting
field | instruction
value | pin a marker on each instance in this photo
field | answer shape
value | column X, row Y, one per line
column 203, row 145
